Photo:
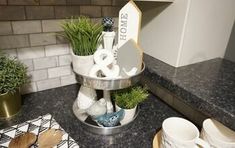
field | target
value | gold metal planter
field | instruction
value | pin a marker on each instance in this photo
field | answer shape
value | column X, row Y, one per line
column 10, row 104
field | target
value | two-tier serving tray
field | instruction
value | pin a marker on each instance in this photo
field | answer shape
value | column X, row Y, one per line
column 106, row 85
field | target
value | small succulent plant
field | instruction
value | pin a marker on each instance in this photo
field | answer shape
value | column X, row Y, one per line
column 130, row 97
column 13, row 74
column 83, row 34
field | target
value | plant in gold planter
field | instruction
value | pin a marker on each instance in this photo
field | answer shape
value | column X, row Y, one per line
column 128, row 100
column 12, row 76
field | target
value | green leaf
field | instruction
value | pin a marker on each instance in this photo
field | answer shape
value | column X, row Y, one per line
column 130, row 97
column 83, row 34
column 13, row 74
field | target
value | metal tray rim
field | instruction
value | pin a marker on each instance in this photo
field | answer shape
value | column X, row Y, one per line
column 115, row 79
column 103, row 130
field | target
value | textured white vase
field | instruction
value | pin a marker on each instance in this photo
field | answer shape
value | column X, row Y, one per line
column 108, row 38
column 128, row 116
column 86, row 97
column 82, row 64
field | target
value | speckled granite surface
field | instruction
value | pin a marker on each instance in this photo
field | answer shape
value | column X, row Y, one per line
column 59, row 101
column 207, row 86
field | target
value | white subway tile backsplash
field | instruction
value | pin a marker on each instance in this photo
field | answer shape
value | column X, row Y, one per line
column 29, row 88
column 42, row 39
column 5, row 28
column 59, row 71
column 28, row 63
column 31, row 52
column 52, row 25
column 67, row 80
column 10, row 52
column 48, row 84
column 47, row 62
column 65, row 60
column 14, row 41
column 52, row 50
column 38, row 75
column 23, row 27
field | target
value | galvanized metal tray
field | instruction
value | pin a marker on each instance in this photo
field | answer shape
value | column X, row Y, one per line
column 106, row 85
column 109, row 84
column 102, row 130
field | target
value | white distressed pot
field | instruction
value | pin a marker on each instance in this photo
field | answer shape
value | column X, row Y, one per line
column 82, row 64
column 129, row 114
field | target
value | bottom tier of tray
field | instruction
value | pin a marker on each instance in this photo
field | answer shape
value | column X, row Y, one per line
column 92, row 126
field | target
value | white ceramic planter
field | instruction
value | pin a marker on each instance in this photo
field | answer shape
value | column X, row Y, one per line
column 82, row 64
column 86, row 97
column 108, row 38
column 217, row 135
column 129, row 114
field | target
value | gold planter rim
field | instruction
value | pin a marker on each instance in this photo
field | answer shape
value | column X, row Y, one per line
column 4, row 93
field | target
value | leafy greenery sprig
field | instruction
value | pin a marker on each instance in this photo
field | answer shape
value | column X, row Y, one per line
column 13, row 74
column 129, row 98
column 83, row 34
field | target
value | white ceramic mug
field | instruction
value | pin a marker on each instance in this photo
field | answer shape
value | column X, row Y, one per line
column 180, row 133
column 217, row 135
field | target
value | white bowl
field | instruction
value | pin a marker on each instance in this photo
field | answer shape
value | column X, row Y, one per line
column 217, row 135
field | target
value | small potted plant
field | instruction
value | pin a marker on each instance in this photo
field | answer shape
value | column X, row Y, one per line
column 13, row 74
column 84, row 37
column 128, row 100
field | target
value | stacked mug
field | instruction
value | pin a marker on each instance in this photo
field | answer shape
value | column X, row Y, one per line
column 217, row 135
column 181, row 133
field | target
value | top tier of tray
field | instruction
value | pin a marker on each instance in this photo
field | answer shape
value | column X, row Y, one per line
column 109, row 84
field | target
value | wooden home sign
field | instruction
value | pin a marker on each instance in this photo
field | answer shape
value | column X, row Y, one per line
column 129, row 23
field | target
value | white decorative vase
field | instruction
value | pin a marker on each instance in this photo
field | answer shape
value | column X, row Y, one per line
column 108, row 38
column 86, row 97
column 129, row 114
column 82, row 64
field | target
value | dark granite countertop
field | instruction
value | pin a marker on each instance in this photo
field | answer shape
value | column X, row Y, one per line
column 59, row 101
column 207, row 86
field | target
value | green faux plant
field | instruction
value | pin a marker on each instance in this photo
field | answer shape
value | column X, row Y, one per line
column 13, row 74
column 129, row 98
column 83, row 34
